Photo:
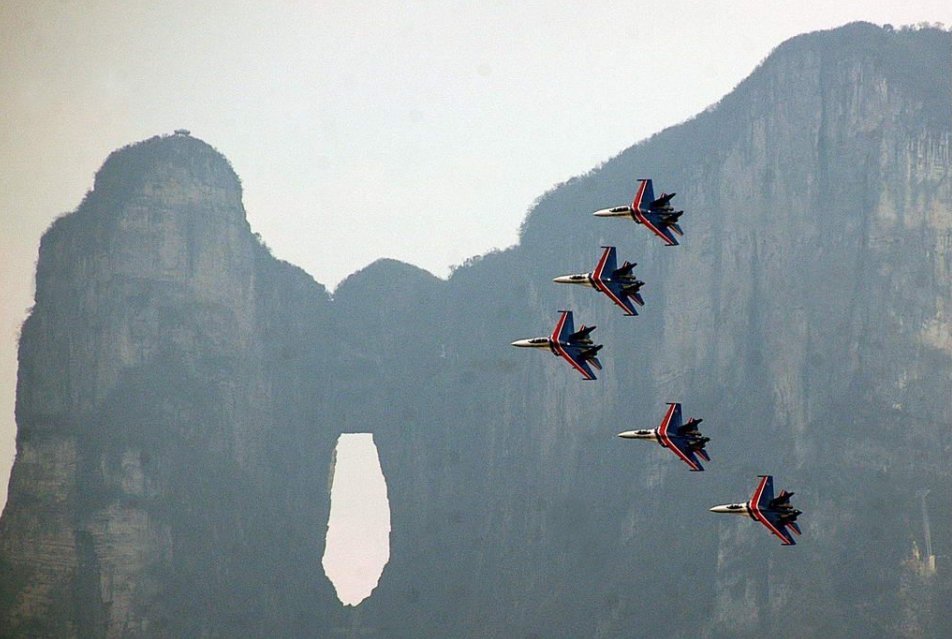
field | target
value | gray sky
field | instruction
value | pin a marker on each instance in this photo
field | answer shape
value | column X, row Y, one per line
column 415, row 130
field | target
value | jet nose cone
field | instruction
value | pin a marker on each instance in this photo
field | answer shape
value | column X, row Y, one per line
column 563, row 279
column 522, row 343
column 628, row 434
column 603, row 213
column 719, row 509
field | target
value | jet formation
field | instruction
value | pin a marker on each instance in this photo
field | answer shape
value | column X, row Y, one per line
column 619, row 284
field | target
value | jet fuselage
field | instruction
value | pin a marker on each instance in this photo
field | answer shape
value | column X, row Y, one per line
column 734, row 509
column 697, row 440
column 553, row 345
column 789, row 514
column 641, row 434
column 585, row 279
column 535, row 342
column 617, row 211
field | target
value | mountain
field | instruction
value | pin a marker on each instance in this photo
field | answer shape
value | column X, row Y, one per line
column 181, row 391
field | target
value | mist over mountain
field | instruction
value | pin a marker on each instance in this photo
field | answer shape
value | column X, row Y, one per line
column 181, row 391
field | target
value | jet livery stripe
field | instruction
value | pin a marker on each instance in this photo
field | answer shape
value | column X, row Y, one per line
column 598, row 274
column 641, row 217
column 755, row 510
column 666, row 420
column 636, row 203
column 557, row 333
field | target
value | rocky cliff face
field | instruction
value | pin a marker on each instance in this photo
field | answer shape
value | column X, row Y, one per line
column 181, row 391
column 146, row 387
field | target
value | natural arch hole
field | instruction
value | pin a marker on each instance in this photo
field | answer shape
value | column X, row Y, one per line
column 358, row 530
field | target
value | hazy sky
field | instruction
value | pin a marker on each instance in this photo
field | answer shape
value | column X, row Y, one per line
column 420, row 131
column 360, row 518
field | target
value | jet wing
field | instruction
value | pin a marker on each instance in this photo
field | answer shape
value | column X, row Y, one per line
column 680, row 448
column 772, row 522
column 603, row 270
column 763, row 494
column 607, row 264
column 563, row 328
column 672, row 419
column 654, row 221
column 759, row 508
column 644, row 194
column 667, row 433
column 571, row 354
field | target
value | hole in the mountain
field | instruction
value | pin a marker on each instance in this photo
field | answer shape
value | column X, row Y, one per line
column 358, row 530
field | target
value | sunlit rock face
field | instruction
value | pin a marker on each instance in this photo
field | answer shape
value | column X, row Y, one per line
column 181, row 392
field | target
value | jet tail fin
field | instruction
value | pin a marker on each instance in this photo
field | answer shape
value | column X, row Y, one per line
column 783, row 499
column 581, row 334
column 662, row 201
column 624, row 269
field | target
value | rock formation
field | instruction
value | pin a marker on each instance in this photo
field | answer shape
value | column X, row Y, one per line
column 181, row 391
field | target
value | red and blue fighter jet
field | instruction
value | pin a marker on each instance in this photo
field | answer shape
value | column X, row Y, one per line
column 573, row 346
column 616, row 282
column 682, row 439
column 656, row 214
column 775, row 513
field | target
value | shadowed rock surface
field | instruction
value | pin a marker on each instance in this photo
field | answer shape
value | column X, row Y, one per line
column 181, row 392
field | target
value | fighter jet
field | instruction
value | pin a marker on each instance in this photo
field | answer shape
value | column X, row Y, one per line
column 573, row 346
column 683, row 440
column 618, row 284
column 775, row 513
column 658, row 215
